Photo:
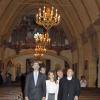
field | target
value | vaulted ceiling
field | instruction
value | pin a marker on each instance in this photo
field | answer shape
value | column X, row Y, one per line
column 76, row 15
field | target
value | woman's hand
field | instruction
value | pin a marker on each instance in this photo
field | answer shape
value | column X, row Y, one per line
column 26, row 98
column 76, row 98
column 43, row 98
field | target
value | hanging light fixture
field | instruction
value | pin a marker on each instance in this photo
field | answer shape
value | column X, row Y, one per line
column 47, row 17
column 39, row 51
column 42, row 39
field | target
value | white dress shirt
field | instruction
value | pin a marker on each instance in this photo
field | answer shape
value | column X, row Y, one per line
column 83, row 83
column 35, row 74
column 69, row 78
column 51, row 87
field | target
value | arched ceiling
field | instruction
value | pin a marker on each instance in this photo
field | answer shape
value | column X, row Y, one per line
column 76, row 15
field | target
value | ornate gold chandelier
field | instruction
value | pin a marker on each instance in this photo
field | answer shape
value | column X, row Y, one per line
column 47, row 17
column 42, row 39
column 39, row 51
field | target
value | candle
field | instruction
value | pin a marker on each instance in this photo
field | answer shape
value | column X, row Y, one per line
column 44, row 8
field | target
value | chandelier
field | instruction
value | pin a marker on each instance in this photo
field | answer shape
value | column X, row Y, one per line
column 42, row 39
column 47, row 17
column 39, row 51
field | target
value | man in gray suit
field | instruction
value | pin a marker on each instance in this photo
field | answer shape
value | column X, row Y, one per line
column 35, row 88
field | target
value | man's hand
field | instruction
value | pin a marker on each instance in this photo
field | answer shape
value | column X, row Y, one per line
column 76, row 98
column 43, row 98
column 26, row 98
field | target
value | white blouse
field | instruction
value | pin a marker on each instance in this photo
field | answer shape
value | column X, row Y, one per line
column 83, row 83
column 51, row 87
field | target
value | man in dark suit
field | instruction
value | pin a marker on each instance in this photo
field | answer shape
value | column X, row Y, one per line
column 69, row 87
column 60, row 74
column 35, row 88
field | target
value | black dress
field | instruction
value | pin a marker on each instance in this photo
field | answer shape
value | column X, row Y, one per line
column 68, row 89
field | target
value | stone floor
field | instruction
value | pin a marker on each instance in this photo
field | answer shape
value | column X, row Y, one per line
column 90, row 94
column 10, row 93
column 14, row 93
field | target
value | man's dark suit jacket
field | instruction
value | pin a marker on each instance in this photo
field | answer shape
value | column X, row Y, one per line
column 68, row 91
column 35, row 92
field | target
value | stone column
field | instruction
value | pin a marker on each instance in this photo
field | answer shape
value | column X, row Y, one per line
column 80, row 58
column 91, row 47
column 98, row 35
column 91, row 70
column 99, row 61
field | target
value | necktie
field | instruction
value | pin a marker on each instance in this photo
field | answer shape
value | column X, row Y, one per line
column 35, row 77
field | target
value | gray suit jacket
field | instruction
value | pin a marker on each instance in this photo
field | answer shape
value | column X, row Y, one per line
column 35, row 92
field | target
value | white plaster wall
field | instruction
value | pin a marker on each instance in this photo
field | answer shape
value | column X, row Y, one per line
column 67, row 54
column 22, row 61
column 8, row 53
